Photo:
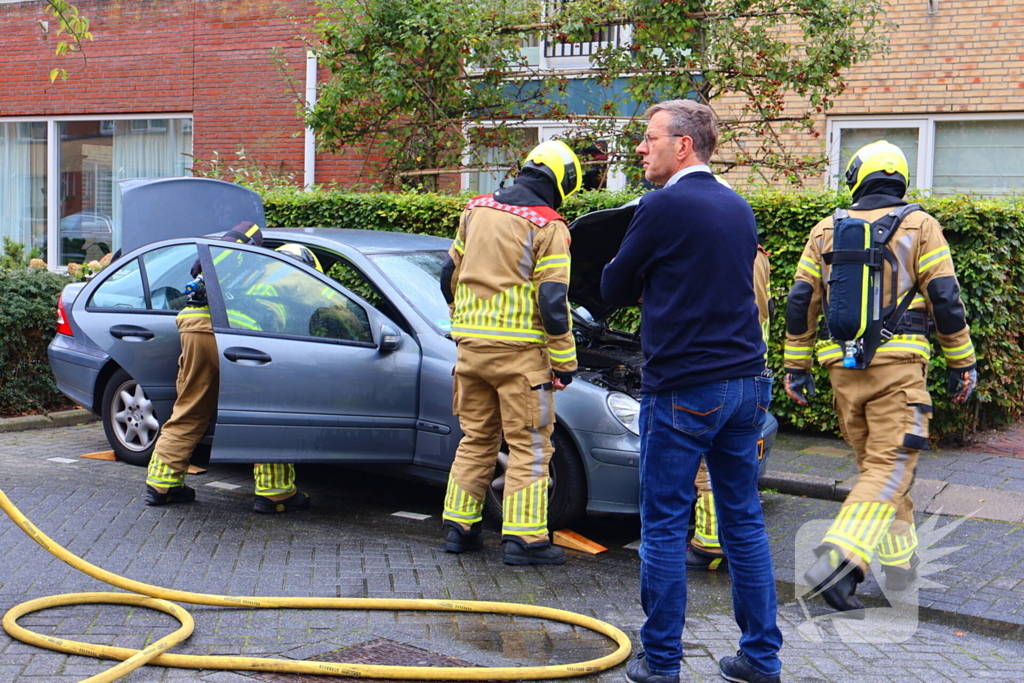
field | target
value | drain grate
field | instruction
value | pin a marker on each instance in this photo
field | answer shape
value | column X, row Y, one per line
column 381, row 651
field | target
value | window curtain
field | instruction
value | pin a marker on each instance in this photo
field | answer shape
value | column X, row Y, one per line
column 22, row 186
column 150, row 148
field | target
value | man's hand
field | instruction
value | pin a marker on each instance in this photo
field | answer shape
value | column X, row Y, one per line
column 799, row 386
column 962, row 383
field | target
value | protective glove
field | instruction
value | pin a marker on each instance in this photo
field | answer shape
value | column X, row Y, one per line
column 799, row 386
column 961, row 383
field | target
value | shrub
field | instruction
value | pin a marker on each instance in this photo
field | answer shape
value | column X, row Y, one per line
column 28, row 301
column 984, row 235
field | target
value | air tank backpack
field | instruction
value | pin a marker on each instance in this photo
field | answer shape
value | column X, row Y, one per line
column 854, row 315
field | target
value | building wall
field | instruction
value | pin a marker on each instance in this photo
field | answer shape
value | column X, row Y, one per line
column 210, row 58
column 966, row 58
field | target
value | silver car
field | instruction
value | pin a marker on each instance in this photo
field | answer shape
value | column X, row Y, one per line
column 351, row 369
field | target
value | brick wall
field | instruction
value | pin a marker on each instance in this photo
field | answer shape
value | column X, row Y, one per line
column 206, row 57
column 967, row 58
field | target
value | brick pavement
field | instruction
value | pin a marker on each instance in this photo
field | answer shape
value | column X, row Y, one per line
column 351, row 545
column 985, row 481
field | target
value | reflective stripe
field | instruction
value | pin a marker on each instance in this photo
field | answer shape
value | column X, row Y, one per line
column 497, row 333
column 262, row 289
column 506, row 315
column 525, row 512
column 859, row 527
column 274, row 479
column 237, row 319
column 460, row 246
column 162, row 477
column 933, row 258
column 557, row 261
column 195, row 312
column 828, row 351
column 907, row 342
column 895, row 549
column 562, row 356
column 798, row 352
column 459, row 506
column 706, row 524
column 810, row 266
column 958, row 352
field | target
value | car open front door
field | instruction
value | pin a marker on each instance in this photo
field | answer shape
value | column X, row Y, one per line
column 307, row 373
column 131, row 316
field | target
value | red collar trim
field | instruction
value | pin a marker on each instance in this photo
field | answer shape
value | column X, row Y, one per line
column 538, row 215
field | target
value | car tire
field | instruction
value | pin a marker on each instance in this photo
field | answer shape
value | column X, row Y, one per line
column 129, row 420
column 567, row 491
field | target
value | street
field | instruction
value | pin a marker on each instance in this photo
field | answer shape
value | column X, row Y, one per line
column 966, row 623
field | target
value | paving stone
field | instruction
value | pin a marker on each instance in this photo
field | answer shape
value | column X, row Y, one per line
column 349, row 544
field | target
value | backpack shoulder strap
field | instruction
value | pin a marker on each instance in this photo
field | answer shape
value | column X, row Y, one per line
column 885, row 227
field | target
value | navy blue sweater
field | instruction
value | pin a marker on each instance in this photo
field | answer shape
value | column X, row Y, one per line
column 690, row 252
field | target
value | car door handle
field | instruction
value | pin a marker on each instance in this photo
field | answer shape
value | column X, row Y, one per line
column 131, row 333
column 246, row 356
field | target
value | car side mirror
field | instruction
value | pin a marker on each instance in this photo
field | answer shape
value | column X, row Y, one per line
column 390, row 339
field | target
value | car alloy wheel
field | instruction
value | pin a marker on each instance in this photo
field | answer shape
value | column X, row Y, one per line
column 129, row 419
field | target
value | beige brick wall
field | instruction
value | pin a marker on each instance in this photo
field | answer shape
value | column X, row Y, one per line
column 967, row 58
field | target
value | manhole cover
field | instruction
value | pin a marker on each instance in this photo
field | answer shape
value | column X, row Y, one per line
column 381, row 651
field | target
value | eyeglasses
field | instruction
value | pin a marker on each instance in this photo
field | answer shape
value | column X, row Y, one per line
column 648, row 137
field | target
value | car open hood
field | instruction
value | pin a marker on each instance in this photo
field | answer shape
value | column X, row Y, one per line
column 155, row 209
column 596, row 238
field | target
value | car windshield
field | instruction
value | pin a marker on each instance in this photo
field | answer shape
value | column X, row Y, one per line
column 417, row 275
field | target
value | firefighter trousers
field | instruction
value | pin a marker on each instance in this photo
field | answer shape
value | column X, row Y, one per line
column 705, row 532
column 198, row 384
column 503, row 390
column 883, row 413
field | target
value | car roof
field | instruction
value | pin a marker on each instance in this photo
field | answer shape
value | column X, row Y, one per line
column 364, row 241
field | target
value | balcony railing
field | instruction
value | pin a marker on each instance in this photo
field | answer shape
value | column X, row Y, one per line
column 610, row 35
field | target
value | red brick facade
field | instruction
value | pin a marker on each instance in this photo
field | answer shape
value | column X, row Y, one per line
column 211, row 59
column 968, row 57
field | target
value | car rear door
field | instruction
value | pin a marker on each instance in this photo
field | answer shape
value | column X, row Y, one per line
column 131, row 316
column 302, row 377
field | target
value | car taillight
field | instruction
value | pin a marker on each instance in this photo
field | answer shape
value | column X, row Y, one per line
column 63, row 327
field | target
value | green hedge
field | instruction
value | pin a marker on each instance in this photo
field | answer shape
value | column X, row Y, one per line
column 985, row 236
column 28, row 307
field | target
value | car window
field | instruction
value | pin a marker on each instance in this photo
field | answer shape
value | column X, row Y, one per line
column 123, row 289
column 417, row 275
column 168, row 270
column 354, row 281
column 263, row 293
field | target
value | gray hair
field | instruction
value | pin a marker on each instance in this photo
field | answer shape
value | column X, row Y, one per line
column 692, row 119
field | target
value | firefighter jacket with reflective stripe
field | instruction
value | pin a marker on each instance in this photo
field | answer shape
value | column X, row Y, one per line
column 924, row 261
column 511, row 279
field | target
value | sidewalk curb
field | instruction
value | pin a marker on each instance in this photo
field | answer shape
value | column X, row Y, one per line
column 61, row 418
column 806, row 485
column 996, row 628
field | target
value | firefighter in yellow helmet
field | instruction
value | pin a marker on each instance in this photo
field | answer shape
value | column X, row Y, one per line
column 198, row 384
column 506, row 282
column 887, row 256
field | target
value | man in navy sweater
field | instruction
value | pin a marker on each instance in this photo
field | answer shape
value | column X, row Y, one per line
column 688, row 255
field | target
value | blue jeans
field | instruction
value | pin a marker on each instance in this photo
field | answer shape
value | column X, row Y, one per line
column 721, row 421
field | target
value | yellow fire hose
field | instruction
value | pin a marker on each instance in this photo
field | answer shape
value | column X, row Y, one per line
column 155, row 597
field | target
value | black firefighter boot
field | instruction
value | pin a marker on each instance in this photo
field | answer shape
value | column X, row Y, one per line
column 541, row 552
column 836, row 579
column 457, row 540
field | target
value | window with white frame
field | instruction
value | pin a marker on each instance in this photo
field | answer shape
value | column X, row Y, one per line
column 58, row 178
column 492, row 166
column 948, row 154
